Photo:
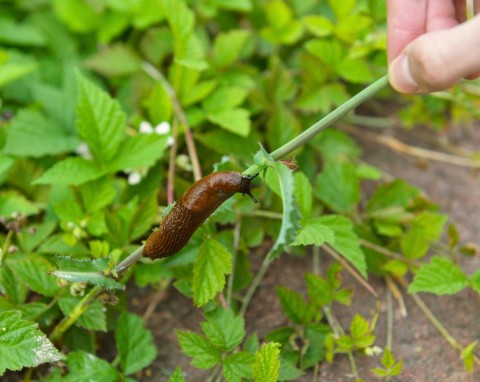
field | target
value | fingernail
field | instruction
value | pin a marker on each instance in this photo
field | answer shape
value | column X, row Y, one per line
column 400, row 75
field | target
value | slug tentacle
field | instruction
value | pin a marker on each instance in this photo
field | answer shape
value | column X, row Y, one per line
column 195, row 206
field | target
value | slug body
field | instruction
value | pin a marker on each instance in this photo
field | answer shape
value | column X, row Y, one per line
column 195, row 206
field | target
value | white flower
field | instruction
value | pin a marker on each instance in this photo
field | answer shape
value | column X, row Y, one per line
column 84, row 151
column 146, row 127
column 134, row 178
column 170, row 141
column 162, row 128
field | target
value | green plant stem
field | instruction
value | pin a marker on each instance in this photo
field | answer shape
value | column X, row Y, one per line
column 75, row 314
column 254, row 285
column 171, row 165
column 389, row 341
column 316, row 261
column 5, row 246
column 214, row 374
column 236, row 245
column 350, row 269
column 388, row 253
column 338, row 331
column 435, row 322
column 325, row 122
column 126, row 263
column 180, row 114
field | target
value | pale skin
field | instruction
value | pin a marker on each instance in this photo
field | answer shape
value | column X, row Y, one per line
column 430, row 44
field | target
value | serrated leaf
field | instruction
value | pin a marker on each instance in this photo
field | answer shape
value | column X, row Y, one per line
column 223, row 329
column 425, row 228
column 204, row 354
column 303, row 194
column 228, row 46
column 22, row 344
column 177, row 376
column 441, row 276
column 320, row 291
column 93, row 278
column 13, row 202
column 11, row 71
column 83, row 366
column 234, row 5
column 134, row 343
column 295, row 308
column 100, row 120
column 139, row 152
column 267, row 363
column 314, row 232
column 235, row 120
column 355, row 71
column 20, row 33
column 341, row 8
column 71, row 171
column 211, row 266
column 331, row 52
column 114, row 60
column 32, row 135
column 34, row 271
column 291, row 216
column 97, row 194
column 236, row 367
column 315, row 333
column 339, row 187
column 94, row 318
column 158, row 104
column 225, row 98
column 346, row 242
column 319, row 26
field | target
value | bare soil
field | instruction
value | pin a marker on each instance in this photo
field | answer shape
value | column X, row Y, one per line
column 427, row 357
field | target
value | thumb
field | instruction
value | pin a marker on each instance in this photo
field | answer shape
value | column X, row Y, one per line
column 436, row 60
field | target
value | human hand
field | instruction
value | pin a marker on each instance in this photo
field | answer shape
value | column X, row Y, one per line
column 430, row 45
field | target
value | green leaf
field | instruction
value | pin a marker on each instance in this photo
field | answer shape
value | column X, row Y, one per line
column 320, row 291
column 236, row 366
column 20, row 33
column 94, row 318
column 346, row 242
column 441, row 276
column 177, row 376
column 425, row 228
column 11, row 71
column 97, row 194
column 295, row 308
column 315, row 333
column 234, row 5
column 11, row 285
column 334, row 144
column 71, row 171
column 320, row 26
column 114, row 60
column 398, row 193
column 84, row 366
column 134, row 343
column 213, row 262
column 228, row 46
column 223, row 329
column 204, row 354
column 158, row 104
column 22, row 344
column 303, row 194
column 290, row 215
column 12, row 202
column 77, row 15
column 355, row 71
column 235, row 120
column 267, row 363
column 100, row 120
column 339, row 187
column 331, row 52
column 468, row 356
column 342, row 8
column 139, row 152
column 225, row 98
column 314, row 232
column 34, row 271
column 32, row 135
column 5, row 164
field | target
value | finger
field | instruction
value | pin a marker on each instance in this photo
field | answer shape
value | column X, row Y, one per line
column 445, row 14
column 437, row 60
column 406, row 21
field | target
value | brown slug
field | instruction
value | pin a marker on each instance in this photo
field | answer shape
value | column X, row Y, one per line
column 195, row 206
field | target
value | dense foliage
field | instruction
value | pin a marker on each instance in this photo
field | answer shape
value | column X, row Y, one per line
column 111, row 106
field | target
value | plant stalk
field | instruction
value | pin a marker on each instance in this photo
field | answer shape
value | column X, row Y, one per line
column 236, row 245
column 325, row 122
column 254, row 285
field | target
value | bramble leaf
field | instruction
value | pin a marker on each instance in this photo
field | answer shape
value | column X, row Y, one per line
column 267, row 363
column 223, row 329
column 22, row 344
column 204, row 354
column 213, row 262
column 441, row 276
column 236, row 367
column 134, row 343
column 83, row 366
column 71, row 171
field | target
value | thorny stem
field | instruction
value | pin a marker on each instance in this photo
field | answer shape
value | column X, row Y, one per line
column 325, row 122
column 5, row 246
column 236, row 245
column 180, row 114
column 338, row 331
column 350, row 269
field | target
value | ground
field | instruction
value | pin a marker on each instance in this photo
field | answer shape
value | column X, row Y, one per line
column 427, row 357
